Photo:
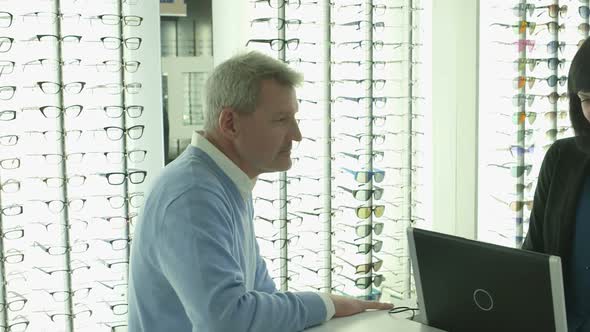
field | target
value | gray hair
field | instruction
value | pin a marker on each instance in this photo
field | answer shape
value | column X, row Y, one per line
column 236, row 83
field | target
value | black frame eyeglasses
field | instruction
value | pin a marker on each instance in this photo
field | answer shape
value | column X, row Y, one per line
column 7, row 92
column 278, row 44
column 115, row 133
column 6, row 67
column 114, row 43
column 117, row 178
column 5, row 44
column 52, row 88
column 112, row 19
column 5, row 19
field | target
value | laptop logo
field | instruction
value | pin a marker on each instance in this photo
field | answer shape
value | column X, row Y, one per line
column 483, row 300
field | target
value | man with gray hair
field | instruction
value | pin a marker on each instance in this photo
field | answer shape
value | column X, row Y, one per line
column 195, row 262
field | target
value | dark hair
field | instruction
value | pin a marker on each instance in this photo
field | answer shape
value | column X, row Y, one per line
column 579, row 80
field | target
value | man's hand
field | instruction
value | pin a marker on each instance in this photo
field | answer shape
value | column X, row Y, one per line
column 347, row 306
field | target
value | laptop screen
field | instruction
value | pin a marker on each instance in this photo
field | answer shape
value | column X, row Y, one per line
column 466, row 285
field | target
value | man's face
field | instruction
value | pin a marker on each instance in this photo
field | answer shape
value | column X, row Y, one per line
column 265, row 137
column 585, row 98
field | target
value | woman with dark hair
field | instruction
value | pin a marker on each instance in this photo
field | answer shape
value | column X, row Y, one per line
column 560, row 218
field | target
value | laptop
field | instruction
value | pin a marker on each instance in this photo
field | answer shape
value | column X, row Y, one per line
column 465, row 285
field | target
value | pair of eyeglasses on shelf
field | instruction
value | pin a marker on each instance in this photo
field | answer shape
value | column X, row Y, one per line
column 117, row 88
column 74, row 224
column 529, row 8
column 364, row 212
column 377, row 44
column 117, row 286
column 378, row 9
column 364, row 24
column 10, row 186
column 375, row 155
column 363, row 231
column 279, row 23
column 118, row 221
column 279, row 203
column 116, row 308
column 518, row 150
column 552, row 63
column 60, row 271
column 20, row 324
column 291, row 259
column 365, row 248
column 113, row 157
column 58, row 250
column 553, row 134
column 134, row 176
column 364, row 194
column 6, row 67
column 51, row 64
column 15, row 302
column 518, row 28
column 43, row 17
column 115, row 43
column 378, row 84
column 365, row 268
column 7, row 92
column 278, row 44
column 516, row 206
column 553, row 98
column 13, row 256
column 521, row 117
column 291, row 220
column 363, row 139
column 293, row 4
column 520, row 81
column 516, row 170
column 112, row 19
column 10, row 163
column 116, row 243
column 48, row 87
column 58, row 182
column 5, row 44
column 5, row 19
column 379, row 102
column 114, row 66
column 82, row 314
column 64, row 295
column 57, row 206
column 11, row 210
column 53, row 112
column 364, row 176
column 7, row 115
column 13, row 234
column 134, row 199
column 365, row 282
column 281, row 243
column 115, row 133
column 376, row 64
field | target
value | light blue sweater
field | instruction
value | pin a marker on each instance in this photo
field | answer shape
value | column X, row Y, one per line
column 195, row 264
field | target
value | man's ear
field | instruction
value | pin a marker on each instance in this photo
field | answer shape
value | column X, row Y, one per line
column 228, row 122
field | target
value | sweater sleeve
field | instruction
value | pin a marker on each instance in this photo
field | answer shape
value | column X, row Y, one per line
column 534, row 238
column 263, row 282
column 194, row 252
